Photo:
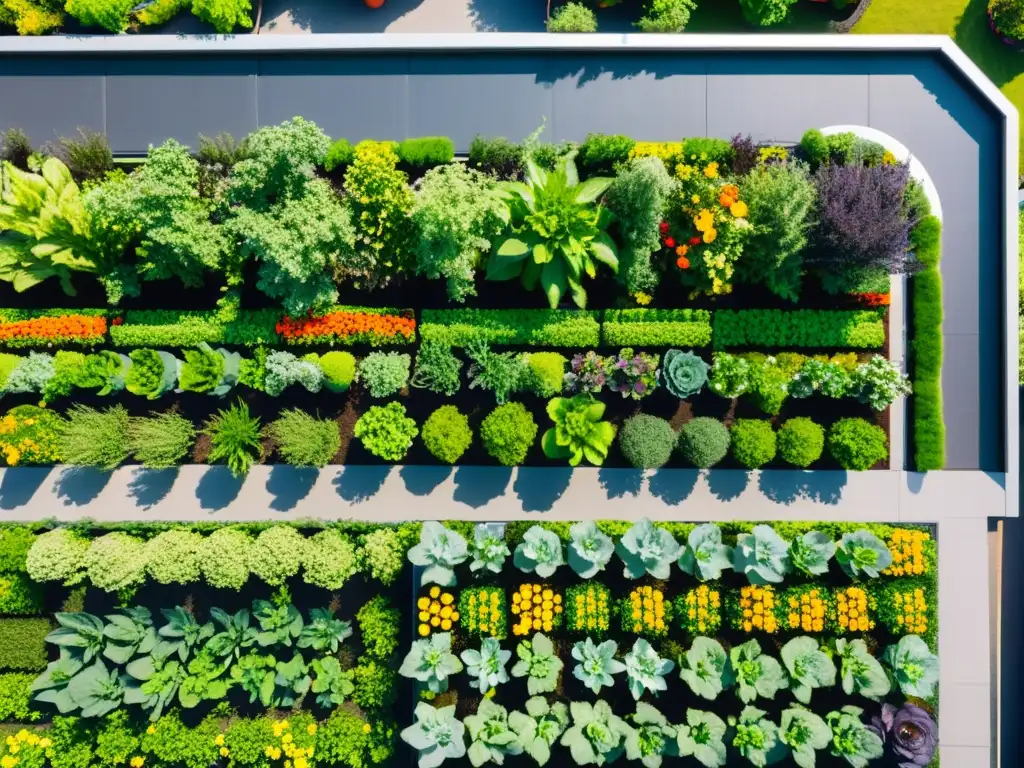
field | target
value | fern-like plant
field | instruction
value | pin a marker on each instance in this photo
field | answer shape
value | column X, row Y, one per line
column 161, row 440
column 234, row 438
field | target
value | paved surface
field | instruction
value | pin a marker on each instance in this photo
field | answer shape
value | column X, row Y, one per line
column 306, row 16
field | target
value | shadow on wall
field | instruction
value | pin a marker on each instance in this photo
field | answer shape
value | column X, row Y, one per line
column 351, row 16
column 501, row 16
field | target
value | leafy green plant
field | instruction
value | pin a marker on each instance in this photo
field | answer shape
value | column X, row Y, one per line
column 386, row 431
column 763, row 555
column 284, row 369
column 161, row 440
column 879, row 383
column 849, row 329
column 488, row 549
column 539, row 552
column 204, row 681
column 647, row 549
column 81, row 634
column 529, row 327
column 862, row 554
column 705, row 556
column 702, row 738
column 128, row 633
column 491, row 737
column 556, row 236
column 645, row 669
column 539, row 727
column 277, row 554
column 384, row 551
column 324, row 633
column 538, row 663
column 666, row 16
column 857, row 444
column 596, row 663
column 436, row 735
column 213, row 371
column 808, row 666
column 755, row 736
column 683, row 373
column 378, row 626
column 499, row 372
column 330, row 560
column 596, row 735
column 914, row 667
column 304, row 440
column 446, row 434
column 339, row 369
column 487, row 666
column 332, row 685
column 291, row 681
column 497, row 157
column 181, row 635
column 651, row 738
column 437, row 369
column 705, row 668
column 811, row 552
column 800, row 442
column 57, row 555
column 235, row 635
column 704, row 441
column 647, row 441
column 578, row 432
column 116, row 561
column 859, row 671
column 756, row 674
column 589, row 549
column 254, row 673
column 805, row 733
column 280, row 623
column 439, row 551
column 508, row 432
column 384, row 373
column 572, row 17
column 375, row 685
column 426, row 151
column 430, row 661
column 95, row 438
column 96, row 690
column 853, row 741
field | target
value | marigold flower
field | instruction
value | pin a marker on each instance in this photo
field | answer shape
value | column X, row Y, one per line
column 738, row 209
column 711, row 170
column 725, row 201
column 710, row 235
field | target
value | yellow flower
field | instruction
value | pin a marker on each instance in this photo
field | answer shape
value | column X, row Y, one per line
column 224, row 752
column 219, row 741
column 366, row 727
column 711, row 170
column 738, row 209
column 424, row 630
column 311, row 729
column 695, row 199
column 8, row 761
column 137, row 762
column 286, row 739
column 45, row 742
column 435, row 591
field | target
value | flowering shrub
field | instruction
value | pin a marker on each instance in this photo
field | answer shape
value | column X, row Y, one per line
column 484, row 611
column 854, row 609
column 700, row 611
column 538, row 608
column 588, row 373
column 30, row 435
column 913, row 553
column 587, row 608
column 807, row 609
column 903, row 610
column 754, row 609
column 645, row 612
column 350, row 326
column 436, row 612
column 631, row 374
column 53, row 331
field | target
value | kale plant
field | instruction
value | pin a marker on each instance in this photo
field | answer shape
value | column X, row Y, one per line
column 702, row 738
column 756, row 674
column 488, row 549
column 647, row 549
column 811, row 552
column 589, row 549
column 804, row 733
column 860, row 671
column 487, row 665
column 597, row 663
column 705, row 668
column 763, row 555
column 808, row 666
column 436, row 735
column 539, row 727
column 431, row 661
column 914, row 666
column 539, row 663
column 756, row 737
column 596, row 735
column 651, row 738
column 491, row 736
column 863, row 554
column 645, row 669
column 852, row 740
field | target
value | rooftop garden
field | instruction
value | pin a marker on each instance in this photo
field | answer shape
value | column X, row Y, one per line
column 286, row 298
column 348, row 645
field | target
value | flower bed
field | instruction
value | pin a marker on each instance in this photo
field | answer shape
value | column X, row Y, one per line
column 618, row 303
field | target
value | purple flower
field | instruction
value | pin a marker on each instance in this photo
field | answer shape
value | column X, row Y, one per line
column 640, row 387
column 621, row 363
column 909, row 733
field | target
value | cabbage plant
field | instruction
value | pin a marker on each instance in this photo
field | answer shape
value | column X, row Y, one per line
column 647, row 549
column 331, row 683
column 755, row 737
column 805, row 733
column 914, row 666
column 436, row 735
column 705, row 668
column 852, row 740
column 439, row 551
column 129, row 633
column 539, row 727
column 651, row 738
column 487, row 665
column 861, row 554
column 645, row 669
column 597, row 663
column 430, row 660
column 596, row 735
column 589, row 549
column 756, row 674
column 705, row 556
column 763, row 555
column 539, row 552
column 488, row 551
column 491, row 737
column 538, row 663
column 701, row 738
column 683, row 374
column 811, row 552
column 80, row 634
column 860, row 671
column 808, row 666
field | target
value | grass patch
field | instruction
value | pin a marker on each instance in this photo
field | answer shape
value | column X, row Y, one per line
column 926, row 349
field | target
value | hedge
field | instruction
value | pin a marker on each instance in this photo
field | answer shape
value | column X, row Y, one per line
column 845, row 329
column 164, row 328
column 528, row 327
column 926, row 348
column 656, row 327
column 22, row 644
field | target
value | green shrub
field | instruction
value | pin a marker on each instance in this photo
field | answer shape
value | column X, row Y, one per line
column 437, row 369
column 22, row 644
column 384, row 373
column 161, row 12
column 15, row 542
column 814, row 145
column 19, row 595
column 426, row 151
column 753, row 442
column 339, row 370
column 666, row 16
column 929, row 433
column 502, row 373
column 175, row 743
column 508, row 432
column 546, row 371
column 8, row 363
column 88, row 157
column 117, row 739
column 225, row 558
column 379, row 623
column 330, row 560
column 16, row 699
column 173, row 557
column 498, row 157
column 600, row 153
column 714, row 150
column 116, row 562
column 160, row 440
column 841, row 147
column 277, row 554
column 234, row 438
column 527, row 327
column 856, row 444
column 572, row 17
column 647, row 441
column 246, row 741
column 94, row 438
column 446, row 434
column 800, row 442
column 170, row 328
column 224, row 15
column 282, row 369
column 384, row 554
column 853, row 329
column 73, row 741
column 375, row 685
column 657, row 328
column 304, row 440
column 386, row 431
column 342, row 741
column 341, row 153
column 704, row 441
column 57, row 555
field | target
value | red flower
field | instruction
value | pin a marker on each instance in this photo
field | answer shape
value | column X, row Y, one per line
column 683, row 263
column 694, row 241
column 117, row 321
column 670, row 242
column 663, row 227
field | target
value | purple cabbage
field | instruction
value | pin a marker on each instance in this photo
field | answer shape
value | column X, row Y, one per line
column 910, row 734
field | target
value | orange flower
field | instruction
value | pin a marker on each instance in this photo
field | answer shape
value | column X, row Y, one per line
column 731, row 190
column 683, row 263
column 874, row 299
column 725, row 200
column 62, row 328
column 682, row 250
column 355, row 326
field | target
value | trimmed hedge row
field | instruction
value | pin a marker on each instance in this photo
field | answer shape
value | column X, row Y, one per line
column 926, row 348
column 656, row 327
column 530, row 327
column 843, row 329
